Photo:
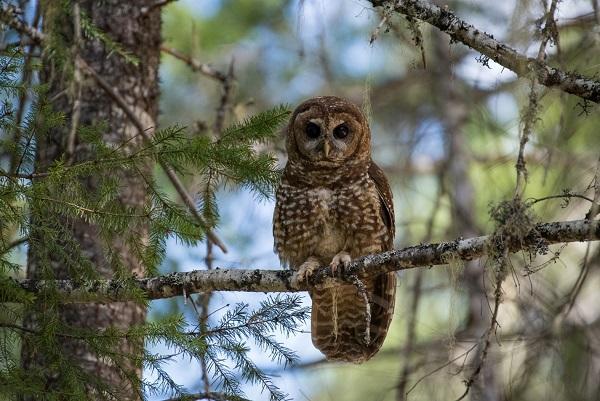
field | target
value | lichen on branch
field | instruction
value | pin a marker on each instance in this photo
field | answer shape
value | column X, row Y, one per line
column 271, row 280
column 461, row 31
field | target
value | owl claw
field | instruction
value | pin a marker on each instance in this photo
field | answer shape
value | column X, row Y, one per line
column 343, row 258
column 307, row 269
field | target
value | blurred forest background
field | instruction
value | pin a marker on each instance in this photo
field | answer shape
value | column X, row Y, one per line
column 446, row 124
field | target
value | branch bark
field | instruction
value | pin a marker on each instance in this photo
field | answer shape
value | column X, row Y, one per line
column 257, row 280
column 461, row 31
column 9, row 14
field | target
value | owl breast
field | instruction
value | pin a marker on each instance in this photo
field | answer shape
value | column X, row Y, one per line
column 320, row 222
column 330, row 236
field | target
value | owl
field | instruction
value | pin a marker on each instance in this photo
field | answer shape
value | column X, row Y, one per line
column 334, row 204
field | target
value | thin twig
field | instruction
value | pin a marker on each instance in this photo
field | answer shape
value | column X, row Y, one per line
column 204, row 313
column 225, row 101
column 76, row 84
column 416, row 295
column 547, row 31
column 157, row 4
column 528, row 123
column 221, row 113
column 194, row 64
column 595, row 208
column 14, row 244
column 581, row 278
column 533, row 104
column 500, row 276
column 364, row 294
column 464, row 354
column 592, row 213
column 533, row 201
column 387, row 12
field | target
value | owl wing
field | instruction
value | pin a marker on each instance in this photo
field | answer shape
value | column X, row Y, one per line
column 383, row 290
column 386, row 209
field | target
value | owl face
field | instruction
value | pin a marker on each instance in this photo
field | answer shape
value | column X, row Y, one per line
column 327, row 130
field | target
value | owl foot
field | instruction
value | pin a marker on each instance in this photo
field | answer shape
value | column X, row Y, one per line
column 342, row 259
column 307, row 269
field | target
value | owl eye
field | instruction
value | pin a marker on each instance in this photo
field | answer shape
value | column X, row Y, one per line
column 341, row 131
column 313, row 131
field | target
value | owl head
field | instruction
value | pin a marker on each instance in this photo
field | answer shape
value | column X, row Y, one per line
column 328, row 131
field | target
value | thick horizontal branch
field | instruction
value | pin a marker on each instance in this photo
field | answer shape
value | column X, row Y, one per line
column 461, row 31
column 257, row 280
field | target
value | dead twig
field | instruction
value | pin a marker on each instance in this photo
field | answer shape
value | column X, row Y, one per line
column 157, row 4
column 76, row 84
column 194, row 64
column 500, row 276
column 364, row 294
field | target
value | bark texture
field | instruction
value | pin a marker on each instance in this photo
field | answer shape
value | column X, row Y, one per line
column 461, row 31
column 263, row 280
column 139, row 34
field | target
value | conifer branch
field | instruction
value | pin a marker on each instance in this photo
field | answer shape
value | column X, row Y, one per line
column 208, row 396
column 8, row 15
column 461, row 31
column 257, row 280
column 146, row 133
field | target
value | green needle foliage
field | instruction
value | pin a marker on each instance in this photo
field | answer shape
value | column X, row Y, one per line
column 38, row 207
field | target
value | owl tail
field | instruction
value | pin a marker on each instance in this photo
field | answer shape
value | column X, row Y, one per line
column 339, row 318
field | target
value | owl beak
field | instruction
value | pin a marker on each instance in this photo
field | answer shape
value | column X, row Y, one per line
column 326, row 147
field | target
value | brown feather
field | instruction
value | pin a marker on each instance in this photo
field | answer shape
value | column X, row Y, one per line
column 385, row 197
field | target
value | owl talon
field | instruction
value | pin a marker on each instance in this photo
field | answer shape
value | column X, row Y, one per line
column 343, row 258
column 307, row 269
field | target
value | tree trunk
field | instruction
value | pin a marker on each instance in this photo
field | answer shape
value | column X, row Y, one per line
column 138, row 33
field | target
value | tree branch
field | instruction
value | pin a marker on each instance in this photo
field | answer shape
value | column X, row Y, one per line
column 461, row 31
column 159, row 3
column 9, row 15
column 256, row 280
column 195, row 65
column 179, row 187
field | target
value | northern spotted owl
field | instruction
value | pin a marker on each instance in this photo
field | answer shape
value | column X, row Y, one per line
column 334, row 204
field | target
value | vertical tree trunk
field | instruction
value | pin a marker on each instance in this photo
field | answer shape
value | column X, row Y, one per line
column 138, row 33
